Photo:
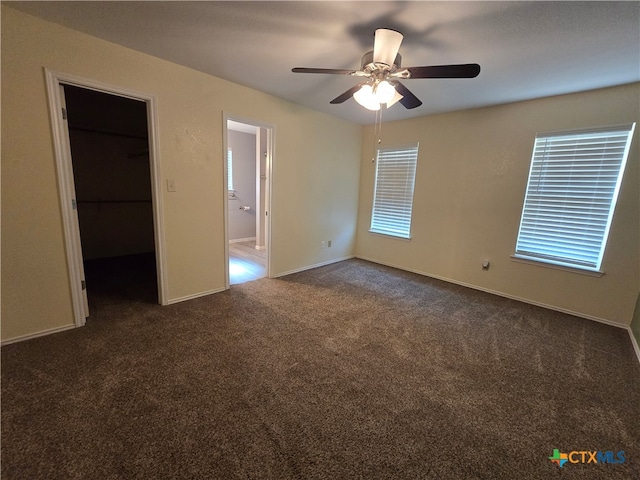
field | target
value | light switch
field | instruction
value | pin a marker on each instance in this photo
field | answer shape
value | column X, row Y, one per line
column 171, row 185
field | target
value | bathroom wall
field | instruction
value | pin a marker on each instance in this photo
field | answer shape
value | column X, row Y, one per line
column 242, row 223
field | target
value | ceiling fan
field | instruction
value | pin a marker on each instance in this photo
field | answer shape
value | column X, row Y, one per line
column 383, row 71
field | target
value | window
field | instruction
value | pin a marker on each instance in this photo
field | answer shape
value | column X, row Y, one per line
column 571, row 194
column 229, row 169
column 393, row 195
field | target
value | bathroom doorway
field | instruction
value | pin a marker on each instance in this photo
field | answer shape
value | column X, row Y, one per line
column 248, row 172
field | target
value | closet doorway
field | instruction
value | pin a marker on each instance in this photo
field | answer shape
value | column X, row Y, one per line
column 105, row 142
column 247, row 174
column 109, row 141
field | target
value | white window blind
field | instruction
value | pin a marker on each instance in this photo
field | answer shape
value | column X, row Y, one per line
column 229, row 169
column 571, row 194
column 393, row 194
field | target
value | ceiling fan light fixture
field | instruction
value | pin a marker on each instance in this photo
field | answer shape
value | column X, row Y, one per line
column 373, row 96
column 384, row 92
column 367, row 98
column 396, row 98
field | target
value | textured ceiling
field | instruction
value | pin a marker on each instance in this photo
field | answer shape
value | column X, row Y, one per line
column 526, row 49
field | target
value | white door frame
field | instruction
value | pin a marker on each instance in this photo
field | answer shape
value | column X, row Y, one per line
column 271, row 137
column 75, row 239
column 64, row 167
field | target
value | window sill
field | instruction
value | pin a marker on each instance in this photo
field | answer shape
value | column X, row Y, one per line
column 389, row 235
column 541, row 263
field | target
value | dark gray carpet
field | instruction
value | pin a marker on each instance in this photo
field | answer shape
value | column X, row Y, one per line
column 349, row 371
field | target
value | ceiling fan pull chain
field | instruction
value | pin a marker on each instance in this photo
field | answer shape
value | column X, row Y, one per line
column 377, row 129
column 375, row 135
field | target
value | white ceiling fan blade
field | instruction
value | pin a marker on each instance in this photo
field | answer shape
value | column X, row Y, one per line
column 386, row 45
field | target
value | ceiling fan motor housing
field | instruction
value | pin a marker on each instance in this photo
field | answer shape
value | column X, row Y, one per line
column 368, row 65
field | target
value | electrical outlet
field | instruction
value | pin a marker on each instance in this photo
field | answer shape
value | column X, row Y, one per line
column 171, row 185
column 323, row 243
column 329, row 243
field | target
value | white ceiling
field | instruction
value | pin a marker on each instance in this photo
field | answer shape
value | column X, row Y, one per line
column 526, row 49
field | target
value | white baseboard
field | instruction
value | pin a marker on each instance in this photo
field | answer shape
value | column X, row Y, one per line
column 309, row 267
column 634, row 342
column 195, row 295
column 241, row 240
column 500, row 294
column 49, row 331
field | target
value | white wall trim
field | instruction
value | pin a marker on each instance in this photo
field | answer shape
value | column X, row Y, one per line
column 65, row 179
column 500, row 294
column 66, row 194
column 240, row 240
column 42, row 333
column 634, row 342
column 309, row 267
column 156, row 192
column 193, row 296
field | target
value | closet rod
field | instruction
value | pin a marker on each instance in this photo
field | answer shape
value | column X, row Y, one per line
column 113, row 201
column 105, row 131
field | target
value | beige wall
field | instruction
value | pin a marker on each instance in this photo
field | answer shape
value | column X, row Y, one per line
column 315, row 171
column 470, row 182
